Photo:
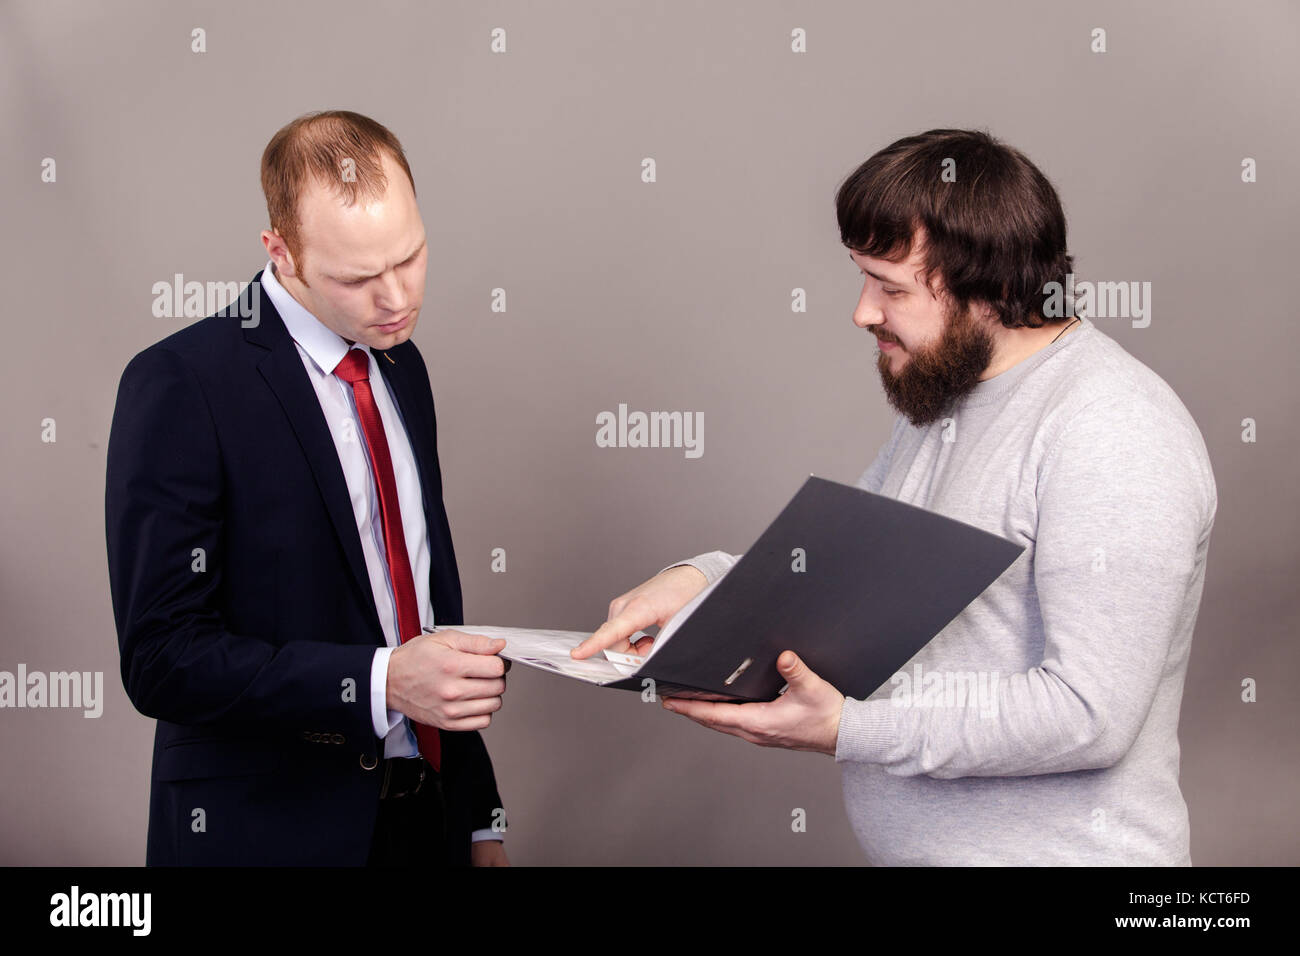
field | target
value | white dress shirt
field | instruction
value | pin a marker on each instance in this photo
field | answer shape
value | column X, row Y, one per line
column 321, row 350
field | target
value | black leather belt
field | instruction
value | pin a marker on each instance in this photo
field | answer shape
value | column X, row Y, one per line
column 405, row 776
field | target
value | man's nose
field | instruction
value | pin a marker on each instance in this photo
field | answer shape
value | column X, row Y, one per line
column 392, row 294
column 867, row 313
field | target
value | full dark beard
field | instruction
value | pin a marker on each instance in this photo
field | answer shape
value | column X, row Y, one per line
column 937, row 375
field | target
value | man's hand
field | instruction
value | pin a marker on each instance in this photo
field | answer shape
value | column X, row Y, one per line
column 653, row 602
column 448, row 679
column 488, row 853
column 805, row 717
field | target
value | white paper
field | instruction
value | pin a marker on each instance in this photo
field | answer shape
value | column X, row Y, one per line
column 549, row 651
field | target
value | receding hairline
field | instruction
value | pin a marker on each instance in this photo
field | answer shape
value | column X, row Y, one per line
column 336, row 151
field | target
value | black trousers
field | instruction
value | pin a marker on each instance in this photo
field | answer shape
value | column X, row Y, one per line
column 414, row 827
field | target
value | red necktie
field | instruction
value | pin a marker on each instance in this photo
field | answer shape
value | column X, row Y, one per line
column 355, row 370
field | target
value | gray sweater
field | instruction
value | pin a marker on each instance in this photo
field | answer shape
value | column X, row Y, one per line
column 1041, row 725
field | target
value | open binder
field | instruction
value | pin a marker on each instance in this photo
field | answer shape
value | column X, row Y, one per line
column 853, row 582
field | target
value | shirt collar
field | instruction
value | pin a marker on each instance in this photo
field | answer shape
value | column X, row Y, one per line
column 323, row 345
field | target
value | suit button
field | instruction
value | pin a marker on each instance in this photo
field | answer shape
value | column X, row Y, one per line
column 338, row 739
column 369, row 766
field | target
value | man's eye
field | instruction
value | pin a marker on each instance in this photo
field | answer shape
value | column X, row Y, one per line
column 883, row 289
column 353, row 281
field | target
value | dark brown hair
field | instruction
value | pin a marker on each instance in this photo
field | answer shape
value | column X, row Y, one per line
column 315, row 147
column 995, row 235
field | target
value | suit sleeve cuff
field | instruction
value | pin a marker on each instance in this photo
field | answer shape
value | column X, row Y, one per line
column 869, row 731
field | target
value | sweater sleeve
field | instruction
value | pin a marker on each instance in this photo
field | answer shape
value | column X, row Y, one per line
column 712, row 564
column 1126, row 502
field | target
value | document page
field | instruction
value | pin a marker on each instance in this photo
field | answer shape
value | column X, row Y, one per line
column 549, row 650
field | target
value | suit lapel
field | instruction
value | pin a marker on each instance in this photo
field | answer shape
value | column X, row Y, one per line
column 283, row 371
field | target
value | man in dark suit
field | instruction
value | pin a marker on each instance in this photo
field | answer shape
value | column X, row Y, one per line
column 277, row 543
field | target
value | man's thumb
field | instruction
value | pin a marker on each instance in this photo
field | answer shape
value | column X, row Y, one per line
column 794, row 670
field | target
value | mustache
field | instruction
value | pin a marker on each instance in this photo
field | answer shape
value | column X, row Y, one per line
column 885, row 338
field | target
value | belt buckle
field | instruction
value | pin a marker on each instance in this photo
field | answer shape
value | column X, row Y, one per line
column 419, row 783
column 384, row 793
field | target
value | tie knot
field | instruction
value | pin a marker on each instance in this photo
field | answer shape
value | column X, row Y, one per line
column 355, row 367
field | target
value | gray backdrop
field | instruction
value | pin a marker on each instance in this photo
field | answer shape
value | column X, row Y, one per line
column 674, row 295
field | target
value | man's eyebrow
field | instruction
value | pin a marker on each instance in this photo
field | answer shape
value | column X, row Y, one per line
column 876, row 275
column 353, row 277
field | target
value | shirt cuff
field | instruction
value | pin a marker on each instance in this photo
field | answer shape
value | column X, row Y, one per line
column 383, row 719
column 869, row 730
column 488, row 834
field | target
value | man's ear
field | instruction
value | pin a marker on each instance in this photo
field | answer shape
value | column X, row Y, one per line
column 278, row 251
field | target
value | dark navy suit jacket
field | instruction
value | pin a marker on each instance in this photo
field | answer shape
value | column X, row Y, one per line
column 244, row 613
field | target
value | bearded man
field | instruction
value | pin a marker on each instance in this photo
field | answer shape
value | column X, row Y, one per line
column 1043, row 430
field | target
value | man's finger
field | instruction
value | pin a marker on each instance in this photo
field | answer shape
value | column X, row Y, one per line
column 475, row 700
column 481, row 665
column 614, row 633
column 475, row 643
column 711, row 712
column 478, row 689
column 714, row 719
column 479, row 722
